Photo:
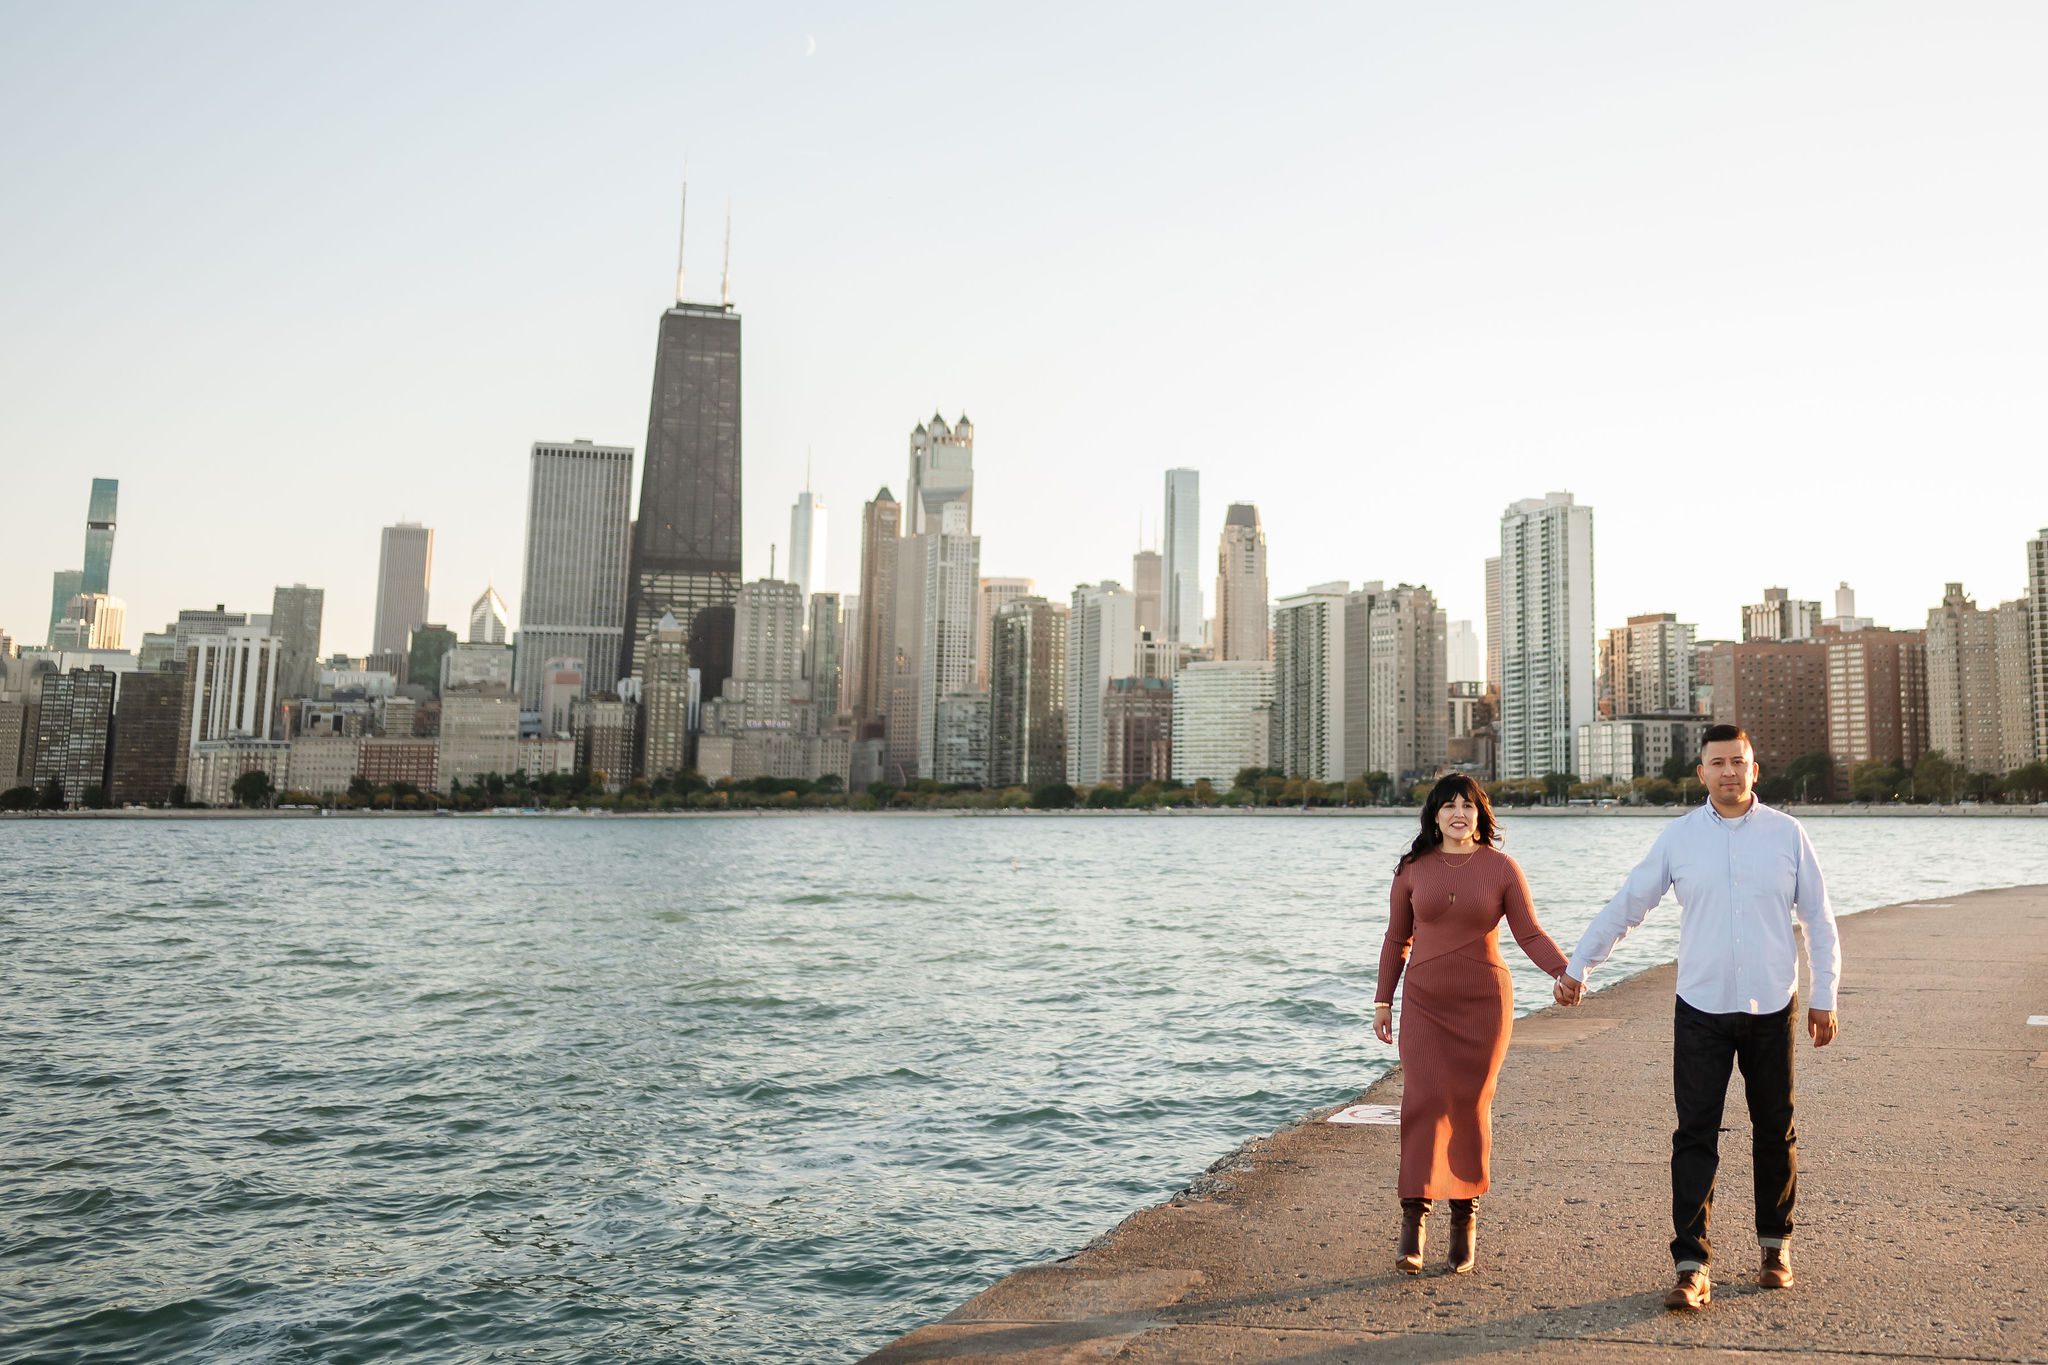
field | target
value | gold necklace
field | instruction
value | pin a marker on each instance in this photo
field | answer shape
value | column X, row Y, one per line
column 1447, row 857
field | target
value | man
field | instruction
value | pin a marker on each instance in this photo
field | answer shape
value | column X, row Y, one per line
column 1741, row 870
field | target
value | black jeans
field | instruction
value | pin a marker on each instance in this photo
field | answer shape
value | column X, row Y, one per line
column 1704, row 1047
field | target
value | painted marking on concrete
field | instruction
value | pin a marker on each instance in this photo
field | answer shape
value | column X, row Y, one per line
column 2038, row 1020
column 1367, row 1113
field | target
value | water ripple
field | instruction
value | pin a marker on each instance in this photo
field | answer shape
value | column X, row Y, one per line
column 658, row 1090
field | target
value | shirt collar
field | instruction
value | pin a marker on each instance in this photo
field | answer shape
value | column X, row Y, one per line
column 1714, row 813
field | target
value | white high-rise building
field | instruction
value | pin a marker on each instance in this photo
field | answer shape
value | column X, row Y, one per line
column 232, row 682
column 1547, row 648
column 1181, row 571
column 490, row 620
column 1308, row 683
column 949, row 618
column 1101, row 644
column 231, row 696
column 807, row 541
column 1462, row 658
column 572, row 603
column 1222, row 720
column 941, row 473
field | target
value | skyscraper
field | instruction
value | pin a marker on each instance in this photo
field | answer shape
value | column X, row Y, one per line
column 1980, row 710
column 1648, row 667
column 822, row 655
column 1776, row 690
column 1222, row 719
column 1180, row 567
column 1027, row 688
column 941, row 472
column 1546, row 590
column 144, row 763
column 1242, row 628
column 489, row 619
column 948, row 620
column 665, row 699
column 686, row 542
column 996, row 593
column 1877, row 700
column 1462, row 659
column 2037, row 615
column 1396, row 720
column 572, row 601
column 1493, row 640
column 405, row 572
column 1308, row 683
column 1146, row 578
column 807, row 540
column 881, row 524
column 1101, row 645
column 295, row 614
column 99, row 534
column 66, row 584
column 74, row 730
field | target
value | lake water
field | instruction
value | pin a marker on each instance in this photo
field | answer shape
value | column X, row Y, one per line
column 742, row 1089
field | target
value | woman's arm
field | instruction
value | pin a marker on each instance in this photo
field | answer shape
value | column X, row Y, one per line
column 1521, row 917
column 1400, row 934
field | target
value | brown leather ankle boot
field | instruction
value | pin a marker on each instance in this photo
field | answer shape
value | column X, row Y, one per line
column 1464, row 1235
column 1414, row 1235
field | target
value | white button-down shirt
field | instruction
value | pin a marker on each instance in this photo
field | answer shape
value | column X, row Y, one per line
column 1739, row 883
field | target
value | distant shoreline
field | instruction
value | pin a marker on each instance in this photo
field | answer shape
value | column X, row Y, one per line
column 1408, row 813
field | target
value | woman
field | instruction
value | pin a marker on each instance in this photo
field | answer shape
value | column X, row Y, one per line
column 1451, row 891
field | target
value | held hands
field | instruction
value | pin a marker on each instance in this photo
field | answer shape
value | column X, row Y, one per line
column 1383, row 1022
column 1567, row 991
column 1820, row 1026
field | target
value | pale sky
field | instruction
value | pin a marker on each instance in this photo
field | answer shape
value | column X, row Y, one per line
column 1762, row 284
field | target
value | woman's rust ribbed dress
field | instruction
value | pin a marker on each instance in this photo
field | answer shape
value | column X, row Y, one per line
column 1457, row 1009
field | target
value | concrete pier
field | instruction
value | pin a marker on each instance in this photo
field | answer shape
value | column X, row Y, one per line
column 1922, row 1218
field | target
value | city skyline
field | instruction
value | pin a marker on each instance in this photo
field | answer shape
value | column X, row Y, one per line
column 1689, row 341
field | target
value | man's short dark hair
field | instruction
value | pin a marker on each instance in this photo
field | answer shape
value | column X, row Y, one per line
column 1721, row 734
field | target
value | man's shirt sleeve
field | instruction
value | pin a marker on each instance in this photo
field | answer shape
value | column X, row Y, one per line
column 1639, row 894
column 1823, row 944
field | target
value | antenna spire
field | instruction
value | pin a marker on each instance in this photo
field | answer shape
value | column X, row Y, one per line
column 771, row 560
column 725, row 274
column 682, row 231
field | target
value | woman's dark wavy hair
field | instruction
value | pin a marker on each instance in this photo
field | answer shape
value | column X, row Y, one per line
column 1430, row 838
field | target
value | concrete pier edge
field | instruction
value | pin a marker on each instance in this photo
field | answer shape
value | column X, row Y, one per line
column 1923, row 1210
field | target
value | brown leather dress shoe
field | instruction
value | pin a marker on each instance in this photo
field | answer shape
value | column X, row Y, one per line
column 1776, row 1271
column 1692, row 1292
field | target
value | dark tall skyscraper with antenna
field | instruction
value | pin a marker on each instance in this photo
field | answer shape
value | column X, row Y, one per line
column 686, row 541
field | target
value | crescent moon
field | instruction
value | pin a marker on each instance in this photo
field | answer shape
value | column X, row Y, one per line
column 810, row 44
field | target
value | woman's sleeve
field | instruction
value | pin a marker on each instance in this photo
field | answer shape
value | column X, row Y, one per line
column 1400, row 933
column 1521, row 916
